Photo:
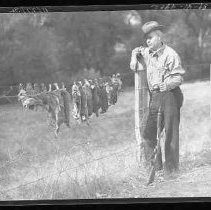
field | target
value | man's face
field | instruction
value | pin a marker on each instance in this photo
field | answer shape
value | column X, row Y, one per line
column 153, row 40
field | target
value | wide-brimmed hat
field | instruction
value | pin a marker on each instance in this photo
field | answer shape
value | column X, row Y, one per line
column 151, row 26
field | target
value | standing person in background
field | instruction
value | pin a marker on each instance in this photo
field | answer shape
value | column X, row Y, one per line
column 161, row 62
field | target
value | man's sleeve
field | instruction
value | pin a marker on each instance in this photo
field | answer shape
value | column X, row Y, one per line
column 175, row 72
column 133, row 61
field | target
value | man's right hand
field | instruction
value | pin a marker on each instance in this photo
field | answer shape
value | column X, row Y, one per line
column 133, row 62
column 137, row 51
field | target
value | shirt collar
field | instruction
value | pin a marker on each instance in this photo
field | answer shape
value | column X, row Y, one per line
column 157, row 52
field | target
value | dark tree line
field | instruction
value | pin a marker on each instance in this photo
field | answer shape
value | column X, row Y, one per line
column 55, row 47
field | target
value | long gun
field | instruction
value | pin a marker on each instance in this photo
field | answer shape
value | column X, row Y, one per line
column 157, row 150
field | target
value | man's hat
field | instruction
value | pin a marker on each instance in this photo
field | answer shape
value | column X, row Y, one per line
column 151, row 26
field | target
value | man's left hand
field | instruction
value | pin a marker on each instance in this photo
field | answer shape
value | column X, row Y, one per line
column 163, row 87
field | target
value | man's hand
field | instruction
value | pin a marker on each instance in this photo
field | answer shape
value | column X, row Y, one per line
column 133, row 62
column 133, row 65
column 163, row 86
column 136, row 51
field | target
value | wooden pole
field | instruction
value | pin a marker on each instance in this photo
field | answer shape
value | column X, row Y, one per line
column 141, row 105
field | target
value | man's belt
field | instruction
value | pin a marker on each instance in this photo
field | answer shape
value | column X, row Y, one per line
column 155, row 89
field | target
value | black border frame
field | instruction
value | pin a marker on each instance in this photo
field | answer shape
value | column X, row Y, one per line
column 8, row 6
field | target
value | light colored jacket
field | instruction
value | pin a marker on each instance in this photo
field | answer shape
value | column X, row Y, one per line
column 165, row 61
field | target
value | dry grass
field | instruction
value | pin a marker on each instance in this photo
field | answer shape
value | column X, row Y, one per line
column 96, row 161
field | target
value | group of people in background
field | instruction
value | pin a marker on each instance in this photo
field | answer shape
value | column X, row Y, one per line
column 89, row 96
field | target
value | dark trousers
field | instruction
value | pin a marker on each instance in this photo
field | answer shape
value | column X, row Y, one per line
column 170, row 102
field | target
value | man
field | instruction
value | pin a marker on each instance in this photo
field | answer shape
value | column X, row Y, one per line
column 164, row 76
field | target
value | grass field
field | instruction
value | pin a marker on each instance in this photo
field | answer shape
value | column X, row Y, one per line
column 99, row 161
